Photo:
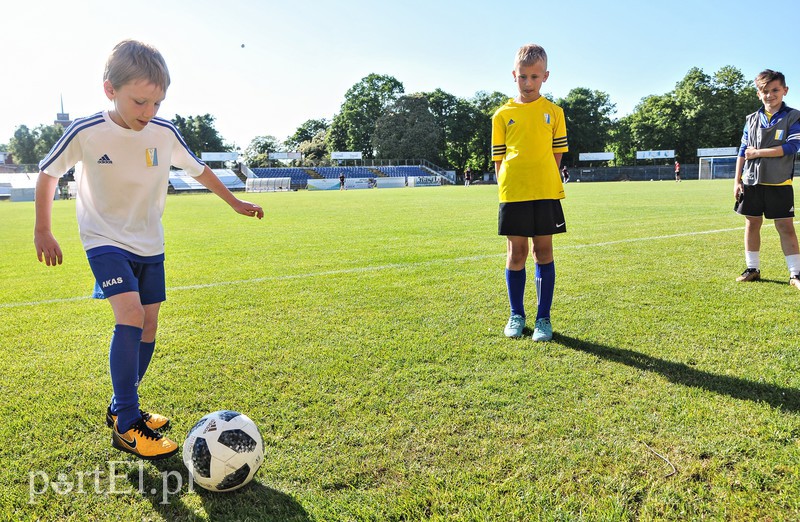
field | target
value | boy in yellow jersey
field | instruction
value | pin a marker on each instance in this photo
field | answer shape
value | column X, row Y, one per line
column 529, row 136
column 764, row 170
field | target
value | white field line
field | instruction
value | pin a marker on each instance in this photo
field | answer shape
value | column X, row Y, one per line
column 378, row 268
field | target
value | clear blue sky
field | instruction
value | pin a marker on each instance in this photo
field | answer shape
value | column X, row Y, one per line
column 300, row 58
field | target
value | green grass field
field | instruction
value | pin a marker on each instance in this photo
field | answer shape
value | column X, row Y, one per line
column 362, row 331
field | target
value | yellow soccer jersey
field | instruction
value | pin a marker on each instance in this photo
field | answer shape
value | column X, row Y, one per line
column 524, row 137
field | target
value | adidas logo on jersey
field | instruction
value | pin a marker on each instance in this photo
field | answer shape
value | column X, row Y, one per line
column 105, row 160
column 510, row 123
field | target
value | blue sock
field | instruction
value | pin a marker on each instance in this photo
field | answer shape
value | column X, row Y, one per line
column 515, row 281
column 145, row 355
column 123, row 358
column 545, row 285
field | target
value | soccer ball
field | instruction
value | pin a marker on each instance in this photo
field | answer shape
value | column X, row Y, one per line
column 223, row 451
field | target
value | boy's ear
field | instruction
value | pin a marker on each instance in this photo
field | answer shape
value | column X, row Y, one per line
column 109, row 90
column 514, row 74
column 546, row 76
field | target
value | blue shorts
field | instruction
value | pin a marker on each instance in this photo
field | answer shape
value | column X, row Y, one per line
column 115, row 273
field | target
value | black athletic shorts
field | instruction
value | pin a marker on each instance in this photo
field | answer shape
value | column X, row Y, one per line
column 766, row 200
column 543, row 217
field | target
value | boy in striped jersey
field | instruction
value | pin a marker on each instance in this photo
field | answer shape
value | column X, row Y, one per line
column 124, row 156
column 764, row 170
column 529, row 135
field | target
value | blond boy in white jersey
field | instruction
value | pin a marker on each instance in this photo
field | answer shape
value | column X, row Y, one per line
column 124, row 156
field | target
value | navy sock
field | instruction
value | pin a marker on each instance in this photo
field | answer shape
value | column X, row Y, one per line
column 145, row 355
column 515, row 281
column 123, row 358
column 545, row 286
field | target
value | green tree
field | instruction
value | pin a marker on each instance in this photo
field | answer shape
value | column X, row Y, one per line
column 588, row 118
column 200, row 134
column 702, row 111
column 460, row 122
column 46, row 137
column 352, row 128
column 257, row 153
column 407, row 130
column 733, row 98
column 486, row 105
column 306, row 132
column 620, row 142
column 314, row 151
column 23, row 146
column 694, row 101
column 655, row 122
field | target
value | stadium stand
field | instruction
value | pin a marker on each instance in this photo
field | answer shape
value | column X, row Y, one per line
column 349, row 172
column 229, row 179
column 404, row 170
column 298, row 176
column 180, row 181
column 17, row 186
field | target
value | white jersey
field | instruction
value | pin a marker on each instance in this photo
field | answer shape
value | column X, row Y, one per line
column 122, row 178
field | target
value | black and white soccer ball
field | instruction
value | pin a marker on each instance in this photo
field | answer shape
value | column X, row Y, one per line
column 223, row 451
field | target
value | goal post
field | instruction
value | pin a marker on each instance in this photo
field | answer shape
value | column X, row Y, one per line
column 717, row 167
column 717, row 162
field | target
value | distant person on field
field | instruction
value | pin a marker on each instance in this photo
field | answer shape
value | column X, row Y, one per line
column 341, row 180
column 467, row 177
column 677, row 171
column 529, row 135
column 764, row 169
column 565, row 174
column 126, row 153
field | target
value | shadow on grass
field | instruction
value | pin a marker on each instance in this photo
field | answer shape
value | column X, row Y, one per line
column 166, row 490
column 787, row 399
column 782, row 282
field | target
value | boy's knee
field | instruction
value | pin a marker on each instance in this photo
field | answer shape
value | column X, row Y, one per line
column 130, row 314
column 784, row 226
column 543, row 253
column 517, row 258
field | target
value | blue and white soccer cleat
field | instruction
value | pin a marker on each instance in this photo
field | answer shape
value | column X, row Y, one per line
column 543, row 331
column 515, row 326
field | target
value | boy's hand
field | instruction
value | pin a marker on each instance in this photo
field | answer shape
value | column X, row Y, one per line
column 246, row 208
column 47, row 248
column 738, row 188
column 751, row 153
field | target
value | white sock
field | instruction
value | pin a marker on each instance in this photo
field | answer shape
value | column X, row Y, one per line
column 793, row 262
column 753, row 259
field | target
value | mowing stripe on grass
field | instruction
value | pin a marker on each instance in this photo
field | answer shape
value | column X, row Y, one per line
column 378, row 268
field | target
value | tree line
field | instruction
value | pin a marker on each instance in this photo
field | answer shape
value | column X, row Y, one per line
column 379, row 119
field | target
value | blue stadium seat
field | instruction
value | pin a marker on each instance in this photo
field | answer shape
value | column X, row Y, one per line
column 403, row 170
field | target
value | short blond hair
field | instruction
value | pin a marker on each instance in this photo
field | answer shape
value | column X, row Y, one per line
column 131, row 60
column 529, row 54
